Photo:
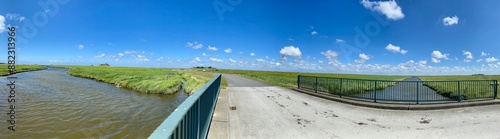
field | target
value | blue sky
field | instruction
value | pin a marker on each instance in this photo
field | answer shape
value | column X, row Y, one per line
column 345, row 36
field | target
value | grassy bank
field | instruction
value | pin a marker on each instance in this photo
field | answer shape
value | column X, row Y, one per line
column 289, row 79
column 4, row 70
column 145, row 80
column 468, row 89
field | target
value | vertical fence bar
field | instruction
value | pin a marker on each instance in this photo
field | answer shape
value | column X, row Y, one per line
column 417, row 91
column 298, row 81
column 375, row 92
column 459, row 96
column 495, row 89
column 340, row 93
column 316, row 88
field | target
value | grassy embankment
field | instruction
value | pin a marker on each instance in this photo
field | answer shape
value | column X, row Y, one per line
column 4, row 70
column 468, row 90
column 145, row 80
column 289, row 79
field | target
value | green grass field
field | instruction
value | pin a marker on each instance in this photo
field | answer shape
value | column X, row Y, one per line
column 468, row 89
column 145, row 80
column 4, row 70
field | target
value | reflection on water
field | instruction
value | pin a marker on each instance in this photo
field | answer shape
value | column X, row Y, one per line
column 53, row 104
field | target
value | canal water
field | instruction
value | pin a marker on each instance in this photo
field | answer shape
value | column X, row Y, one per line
column 53, row 104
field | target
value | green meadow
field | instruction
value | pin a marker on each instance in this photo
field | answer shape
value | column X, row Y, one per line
column 469, row 85
column 4, row 70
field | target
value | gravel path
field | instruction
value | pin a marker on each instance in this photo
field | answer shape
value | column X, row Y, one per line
column 264, row 111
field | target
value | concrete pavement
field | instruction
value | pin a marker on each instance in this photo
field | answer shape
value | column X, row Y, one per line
column 264, row 111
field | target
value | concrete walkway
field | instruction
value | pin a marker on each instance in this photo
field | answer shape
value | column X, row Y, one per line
column 264, row 111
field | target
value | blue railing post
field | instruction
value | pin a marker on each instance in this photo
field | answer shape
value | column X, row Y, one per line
column 340, row 87
column 375, row 92
column 316, row 88
column 298, row 81
column 459, row 96
column 495, row 89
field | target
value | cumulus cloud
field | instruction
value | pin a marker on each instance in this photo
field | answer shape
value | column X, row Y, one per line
column 232, row 61
column 395, row 49
column 332, row 57
column 120, row 54
column 468, row 56
column 2, row 24
column 194, row 45
column 479, row 60
column 484, row 54
column 215, row 59
column 197, row 59
column 389, row 8
column 16, row 17
column 314, row 33
column 448, row 21
column 142, row 58
column 290, row 51
column 80, row 46
column 436, row 56
column 362, row 58
column 228, row 50
column 131, row 52
column 203, row 54
column 212, row 48
column 252, row 54
column 491, row 59
column 339, row 41
column 260, row 60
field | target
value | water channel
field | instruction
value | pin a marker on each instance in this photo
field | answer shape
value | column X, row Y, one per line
column 52, row 104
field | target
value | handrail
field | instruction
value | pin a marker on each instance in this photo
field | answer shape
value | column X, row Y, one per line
column 192, row 118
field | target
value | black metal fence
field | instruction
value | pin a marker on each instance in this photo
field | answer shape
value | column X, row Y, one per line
column 402, row 91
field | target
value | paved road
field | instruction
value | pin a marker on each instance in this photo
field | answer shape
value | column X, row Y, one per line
column 406, row 91
column 264, row 111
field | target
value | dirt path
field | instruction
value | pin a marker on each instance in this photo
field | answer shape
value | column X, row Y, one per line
column 264, row 111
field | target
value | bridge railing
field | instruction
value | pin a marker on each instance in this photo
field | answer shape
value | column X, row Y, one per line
column 192, row 118
column 402, row 91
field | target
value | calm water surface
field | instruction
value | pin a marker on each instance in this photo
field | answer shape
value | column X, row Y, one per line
column 53, row 104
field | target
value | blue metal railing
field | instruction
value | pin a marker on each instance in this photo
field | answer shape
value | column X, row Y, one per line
column 411, row 90
column 191, row 120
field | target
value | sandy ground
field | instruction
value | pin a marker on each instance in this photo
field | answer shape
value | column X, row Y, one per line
column 264, row 111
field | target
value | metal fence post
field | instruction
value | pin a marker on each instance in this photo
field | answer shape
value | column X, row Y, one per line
column 459, row 97
column 340, row 87
column 417, row 91
column 316, row 88
column 495, row 89
column 298, row 81
column 375, row 92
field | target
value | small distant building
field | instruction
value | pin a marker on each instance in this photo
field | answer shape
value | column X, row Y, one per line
column 105, row 64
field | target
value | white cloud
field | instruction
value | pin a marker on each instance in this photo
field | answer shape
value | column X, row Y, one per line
column 252, row 54
column 290, row 51
column 194, row 45
column 362, row 58
column 436, row 56
column 491, row 59
column 267, row 57
column 332, row 57
column 203, row 54
column 16, row 17
column 395, row 49
column 320, row 61
column 2, row 24
column 80, row 46
column 339, row 41
column 215, row 59
column 159, row 59
column 120, row 54
column 100, row 56
column 240, row 53
column 212, row 48
column 468, row 56
column 448, row 21
column 232, row 61
column 484, row 54
column 290, row 39
column 479, row 60
column 314, row 33
column 142, row 58
column 389, row 8
column 131, row 52
column 228, row 50
column 197, row 59
column 260, row 60
column 278, row 63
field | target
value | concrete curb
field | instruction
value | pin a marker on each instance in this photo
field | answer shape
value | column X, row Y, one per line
column 400, row 106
